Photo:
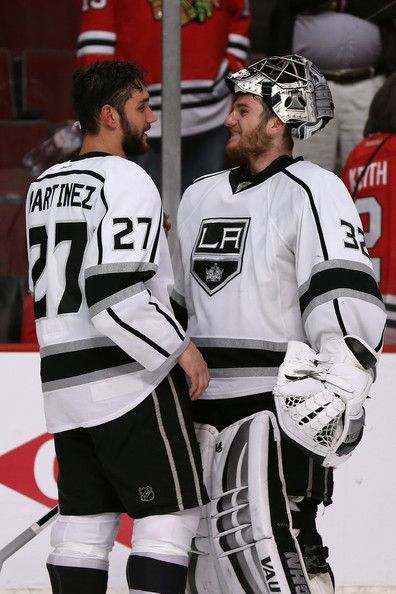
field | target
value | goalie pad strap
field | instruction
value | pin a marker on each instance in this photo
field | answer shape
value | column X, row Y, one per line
column 247, row 535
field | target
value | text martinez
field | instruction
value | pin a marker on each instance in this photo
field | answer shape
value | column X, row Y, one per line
column 63, row 194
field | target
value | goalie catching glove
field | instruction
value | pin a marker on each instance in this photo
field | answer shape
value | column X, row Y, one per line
column 319, row 397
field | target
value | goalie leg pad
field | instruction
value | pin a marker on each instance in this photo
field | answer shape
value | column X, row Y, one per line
column 249, row 524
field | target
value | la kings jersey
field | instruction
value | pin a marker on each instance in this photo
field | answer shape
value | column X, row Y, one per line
column 267, row 259
column 100, row 273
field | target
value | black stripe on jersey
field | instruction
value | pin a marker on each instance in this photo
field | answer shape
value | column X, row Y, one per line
column 101, row 286
column 339, row 317
column 240, row 46
column 186, row 90
column 156, row 240
column 381, row 342
column 71, row 364
column 314, row 211
column 166, row 316
column 194, row 104
column 97, row 41
column 333, row 279
column 72, row 172
column 228, row 358
column 99, row 232
column 180, row 313
column 136, row 333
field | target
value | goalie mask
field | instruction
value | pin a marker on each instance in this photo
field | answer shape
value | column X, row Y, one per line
column 292, row 87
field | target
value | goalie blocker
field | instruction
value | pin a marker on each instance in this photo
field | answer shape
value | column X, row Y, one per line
column 245, row 543
column 319, row 397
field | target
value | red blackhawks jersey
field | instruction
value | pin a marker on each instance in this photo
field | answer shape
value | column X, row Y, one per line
column 370, row 175
column 127, row 30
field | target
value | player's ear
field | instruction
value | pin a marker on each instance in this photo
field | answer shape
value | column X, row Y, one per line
column 275, row 125
column 109, row 117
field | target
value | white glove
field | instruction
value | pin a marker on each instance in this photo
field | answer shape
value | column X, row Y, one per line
column 319, row 397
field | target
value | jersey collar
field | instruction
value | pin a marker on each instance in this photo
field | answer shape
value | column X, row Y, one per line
column 89, row 155
column 241, row 178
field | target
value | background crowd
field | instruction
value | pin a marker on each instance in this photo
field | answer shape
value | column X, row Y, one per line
column 353, row 42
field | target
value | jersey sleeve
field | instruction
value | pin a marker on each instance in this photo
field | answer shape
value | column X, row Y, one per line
column 129, row 271
column 338, row 292
column 97, row 36
column 178, row 299
column 238, row 36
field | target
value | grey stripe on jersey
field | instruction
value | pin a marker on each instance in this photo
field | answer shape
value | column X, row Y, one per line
column 119, row 267
column 168, row 450
column 244, row 372
column 116, row 298
column 187, row 441
column 330, row 264
column 178, row 298
column 95, row 376
column 243, row 343
column 76, row 345
column 339, row 293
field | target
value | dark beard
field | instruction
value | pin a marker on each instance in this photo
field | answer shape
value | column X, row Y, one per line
column 131, row 143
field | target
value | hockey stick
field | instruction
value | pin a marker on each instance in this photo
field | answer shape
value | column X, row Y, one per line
column 27, row 535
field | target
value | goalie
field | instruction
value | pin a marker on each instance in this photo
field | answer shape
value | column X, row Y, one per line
column 277, row 290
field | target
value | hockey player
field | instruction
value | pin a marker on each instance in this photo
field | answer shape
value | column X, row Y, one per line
column 370, row 176
column 214, row 41
column 100, row 274
column 274, row 281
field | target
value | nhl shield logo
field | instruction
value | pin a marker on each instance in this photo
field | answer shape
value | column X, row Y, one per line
column 146, row 493
column 218, row 252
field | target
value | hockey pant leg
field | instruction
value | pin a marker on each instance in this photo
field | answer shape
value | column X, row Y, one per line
column 245, row 543
column 159, row 556
column 321, row 578
column 79, row 561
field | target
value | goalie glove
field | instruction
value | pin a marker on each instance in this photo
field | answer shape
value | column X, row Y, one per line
column 319, row 397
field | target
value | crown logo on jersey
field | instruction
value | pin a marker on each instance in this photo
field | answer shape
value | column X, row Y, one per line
column 214, row 273
column 217, row 254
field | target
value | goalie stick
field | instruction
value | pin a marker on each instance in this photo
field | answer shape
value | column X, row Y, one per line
column 27, row 535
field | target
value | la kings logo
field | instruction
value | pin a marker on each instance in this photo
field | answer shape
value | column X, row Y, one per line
column 218, row 252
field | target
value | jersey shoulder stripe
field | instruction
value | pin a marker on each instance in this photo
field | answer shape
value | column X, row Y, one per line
column 71, row 172
column 314, row 211
column 212, row 175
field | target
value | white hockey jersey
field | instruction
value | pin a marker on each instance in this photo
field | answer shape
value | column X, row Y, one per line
column 101, row 275
column 265, row 259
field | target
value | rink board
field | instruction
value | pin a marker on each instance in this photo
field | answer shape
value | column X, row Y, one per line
column 359, row 527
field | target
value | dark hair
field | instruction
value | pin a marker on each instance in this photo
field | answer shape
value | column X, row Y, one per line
column 382, row 113
column 95, row 85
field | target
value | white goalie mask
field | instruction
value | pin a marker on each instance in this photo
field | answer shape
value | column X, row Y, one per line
column 292, row 87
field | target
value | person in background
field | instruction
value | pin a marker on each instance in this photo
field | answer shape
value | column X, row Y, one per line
column 275, row 287
column 215, row 41
column 370, row 176
column 112, row 353
column 353, row 43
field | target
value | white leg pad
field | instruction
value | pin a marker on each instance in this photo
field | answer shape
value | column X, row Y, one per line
column 248, row 532
column 83, row 541
column 321, row 583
